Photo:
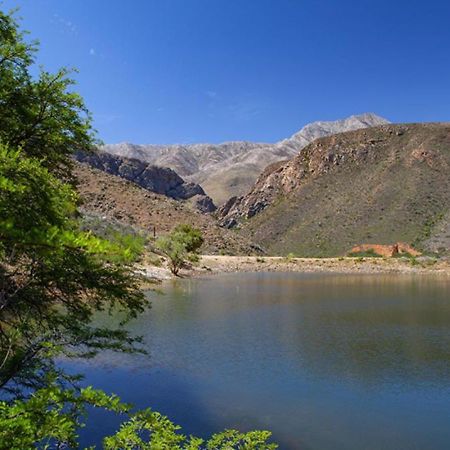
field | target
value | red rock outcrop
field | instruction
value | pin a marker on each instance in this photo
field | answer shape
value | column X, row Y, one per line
column 406, row 248
column 387, row 251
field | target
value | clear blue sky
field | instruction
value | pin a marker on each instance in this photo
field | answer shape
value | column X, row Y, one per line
column 165, row 71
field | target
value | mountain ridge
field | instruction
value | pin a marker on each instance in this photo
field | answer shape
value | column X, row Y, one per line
column 318, row 129
column 230, row 168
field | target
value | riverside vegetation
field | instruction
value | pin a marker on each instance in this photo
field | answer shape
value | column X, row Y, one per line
column 55, row 275
column 181, row 245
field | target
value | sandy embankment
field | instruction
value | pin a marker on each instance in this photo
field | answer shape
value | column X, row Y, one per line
column 215, row 264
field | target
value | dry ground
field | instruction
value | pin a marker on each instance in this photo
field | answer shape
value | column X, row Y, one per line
column 216, row 264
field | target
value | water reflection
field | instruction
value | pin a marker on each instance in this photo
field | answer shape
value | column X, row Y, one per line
column 324, row 361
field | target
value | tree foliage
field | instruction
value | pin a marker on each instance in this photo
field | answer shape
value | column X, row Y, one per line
column 52, row 416
column 180, row 246
column 42, row 116
column 55, row 275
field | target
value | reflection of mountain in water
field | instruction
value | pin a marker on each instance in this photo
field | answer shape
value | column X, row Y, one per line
column 325, row 362
column 365, row 329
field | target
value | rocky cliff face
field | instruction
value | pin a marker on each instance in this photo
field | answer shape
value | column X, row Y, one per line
column 384, row 184
column 160, row 180
column 230, row 169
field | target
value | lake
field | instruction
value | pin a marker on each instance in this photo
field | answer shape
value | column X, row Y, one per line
column 323, row 361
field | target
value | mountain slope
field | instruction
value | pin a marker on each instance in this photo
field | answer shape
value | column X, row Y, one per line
column 160, row 180
column 377, row 185
column 111, row 199
column 229, row 169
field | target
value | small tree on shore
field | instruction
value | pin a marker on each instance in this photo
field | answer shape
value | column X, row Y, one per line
column 181, row 246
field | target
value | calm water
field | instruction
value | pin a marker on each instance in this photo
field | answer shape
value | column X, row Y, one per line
column 324, row 361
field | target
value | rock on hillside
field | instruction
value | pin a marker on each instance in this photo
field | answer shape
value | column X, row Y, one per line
column 378, row 185
column 230, row 169
column 160, row 180
column 114, row 200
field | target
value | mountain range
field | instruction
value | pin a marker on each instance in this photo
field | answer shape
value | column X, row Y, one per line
column 362, row 183
column 230, row 169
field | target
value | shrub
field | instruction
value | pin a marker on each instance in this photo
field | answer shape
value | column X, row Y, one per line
column 191, row 237
column 413, row 261
column 180, row 246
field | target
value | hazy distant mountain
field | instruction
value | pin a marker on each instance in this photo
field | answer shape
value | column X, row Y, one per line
column 316, row 130
column 230, row 169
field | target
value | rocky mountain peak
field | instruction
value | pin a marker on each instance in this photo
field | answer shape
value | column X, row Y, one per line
column 320, row 129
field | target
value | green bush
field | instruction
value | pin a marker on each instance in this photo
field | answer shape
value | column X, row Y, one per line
column 191, row 237
column 290, row 256
column 181, row 246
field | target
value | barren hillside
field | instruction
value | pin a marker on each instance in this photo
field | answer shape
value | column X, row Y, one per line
column 112, row 198
column 378, row 185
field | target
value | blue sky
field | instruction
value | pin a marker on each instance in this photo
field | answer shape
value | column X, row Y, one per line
column 166, row 71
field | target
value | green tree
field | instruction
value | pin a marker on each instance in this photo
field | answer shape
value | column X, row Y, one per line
column 191, row 237
column 53, row 277
column 42, row 116
column 180, row 246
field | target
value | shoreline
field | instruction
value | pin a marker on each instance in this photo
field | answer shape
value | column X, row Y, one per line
column 210, row 265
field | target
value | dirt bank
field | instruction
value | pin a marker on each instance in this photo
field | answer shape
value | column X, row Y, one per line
column 215, row 264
